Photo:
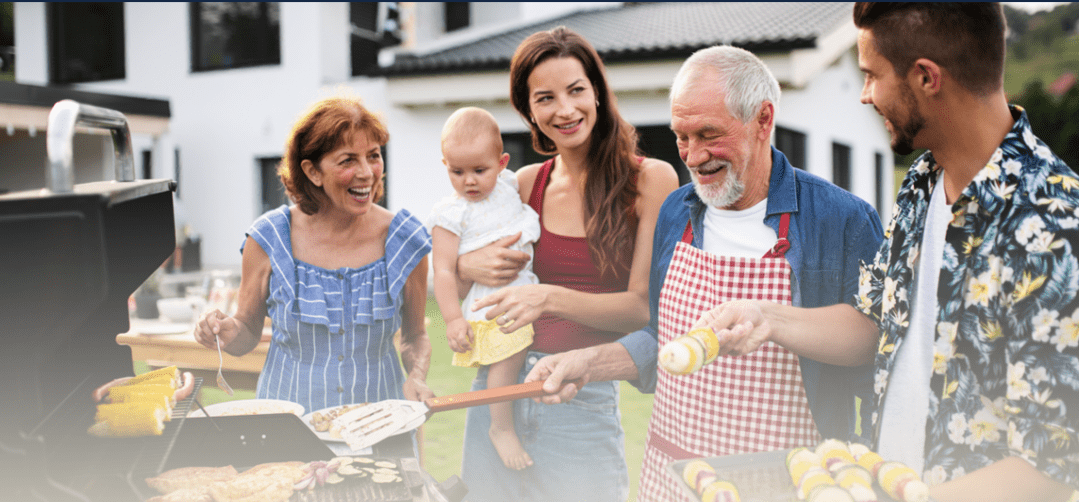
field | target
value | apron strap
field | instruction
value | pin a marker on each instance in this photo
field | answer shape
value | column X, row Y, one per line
column 687, row 235
column 782, row 245
column 779, row 250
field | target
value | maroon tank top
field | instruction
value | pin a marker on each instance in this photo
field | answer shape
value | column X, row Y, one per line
column 566, row 261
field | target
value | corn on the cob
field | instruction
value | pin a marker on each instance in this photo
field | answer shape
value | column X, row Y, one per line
column 168, row 372
column 139, row 418
column 138, row 407
column 126, row 393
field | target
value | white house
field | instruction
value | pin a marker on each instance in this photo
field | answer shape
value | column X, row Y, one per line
column 235, row 77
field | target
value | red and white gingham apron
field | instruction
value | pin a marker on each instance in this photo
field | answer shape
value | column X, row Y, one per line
column 745, row 404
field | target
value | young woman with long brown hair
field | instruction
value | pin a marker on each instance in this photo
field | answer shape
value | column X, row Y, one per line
column 598, row 199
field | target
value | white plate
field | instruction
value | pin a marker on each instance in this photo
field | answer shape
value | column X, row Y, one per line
column 250, row 407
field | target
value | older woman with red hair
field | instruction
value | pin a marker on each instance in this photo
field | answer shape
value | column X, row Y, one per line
column 337, row 274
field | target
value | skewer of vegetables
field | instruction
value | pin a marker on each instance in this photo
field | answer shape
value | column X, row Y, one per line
column 690, row 352
column 702, row 477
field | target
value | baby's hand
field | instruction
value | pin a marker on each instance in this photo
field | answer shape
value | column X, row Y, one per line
column 459, row 335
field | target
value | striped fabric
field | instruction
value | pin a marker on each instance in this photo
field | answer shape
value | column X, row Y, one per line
column 333, row 329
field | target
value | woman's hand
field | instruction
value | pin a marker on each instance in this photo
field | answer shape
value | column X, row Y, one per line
column 517, row 306
column 215, row 325
column 493, row 265
column 416, row 389
column 459, row 335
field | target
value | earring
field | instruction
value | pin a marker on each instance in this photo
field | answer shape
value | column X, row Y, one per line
column 597, row 103
column 533, row 120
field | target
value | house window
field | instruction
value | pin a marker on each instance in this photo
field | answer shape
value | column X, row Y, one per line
column 519, row 146
column 793, row 144
column 234, row 35
column 86, row 41
column 364, row 18
column 385, row 202
column 147, row 164
column 273, row 192
column 458, row 15
column 176, row 170
column 374, row 26
column 841, row 165
column 878, row 164
column 658, row 142
column 7, row 41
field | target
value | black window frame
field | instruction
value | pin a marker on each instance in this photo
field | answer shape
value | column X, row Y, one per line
column 456, row 16
column 519, row 146
column 841, row 165
column 364, row 39
column 268, row 33
column 793, row 145
column 147, row 164
column 373, row 27
column 107, row 50
column 658, row 142
column 176, row 170
column 271, row 192
column 878, row 167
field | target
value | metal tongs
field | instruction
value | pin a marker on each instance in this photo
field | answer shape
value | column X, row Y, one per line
column 367, row 425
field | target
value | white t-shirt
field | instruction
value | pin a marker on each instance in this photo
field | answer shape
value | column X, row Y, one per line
column 741, row 234
column 906, row 404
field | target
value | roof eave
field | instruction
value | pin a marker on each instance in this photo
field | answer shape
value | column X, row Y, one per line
column 409, row 68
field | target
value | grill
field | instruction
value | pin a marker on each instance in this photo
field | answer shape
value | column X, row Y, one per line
column 70, row 256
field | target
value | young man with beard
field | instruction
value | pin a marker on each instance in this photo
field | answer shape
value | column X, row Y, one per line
column 973, row 296
column 749, row 226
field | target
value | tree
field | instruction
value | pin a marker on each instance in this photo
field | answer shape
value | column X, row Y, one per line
column 1053, row 120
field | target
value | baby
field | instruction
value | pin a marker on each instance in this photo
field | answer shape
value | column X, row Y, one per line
column 487, row 207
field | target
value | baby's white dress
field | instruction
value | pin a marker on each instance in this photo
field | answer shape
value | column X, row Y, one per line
column 478, row 224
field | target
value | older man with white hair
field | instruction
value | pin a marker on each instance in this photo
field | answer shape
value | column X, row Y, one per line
column 750, row 226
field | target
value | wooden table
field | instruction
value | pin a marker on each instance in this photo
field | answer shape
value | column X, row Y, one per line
column 162, row 344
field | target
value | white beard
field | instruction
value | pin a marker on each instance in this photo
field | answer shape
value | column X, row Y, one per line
column 722, row 194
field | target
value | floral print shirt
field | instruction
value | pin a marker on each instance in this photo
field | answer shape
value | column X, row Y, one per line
column 1006, row 356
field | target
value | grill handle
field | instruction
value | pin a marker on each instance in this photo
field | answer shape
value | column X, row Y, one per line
column 65, row 116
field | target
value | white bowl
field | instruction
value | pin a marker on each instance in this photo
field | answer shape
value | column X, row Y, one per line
column 180, row 309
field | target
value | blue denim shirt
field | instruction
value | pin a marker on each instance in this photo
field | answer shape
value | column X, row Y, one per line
column 831, row 231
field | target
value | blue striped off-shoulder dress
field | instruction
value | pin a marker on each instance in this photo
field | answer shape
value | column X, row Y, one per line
column 333, row 329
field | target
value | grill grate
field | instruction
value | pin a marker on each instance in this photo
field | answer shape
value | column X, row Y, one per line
column 155, row 450
column 161, row 450
column 363, row 489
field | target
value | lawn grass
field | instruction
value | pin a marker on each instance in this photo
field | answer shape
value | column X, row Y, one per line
column 443, row 434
